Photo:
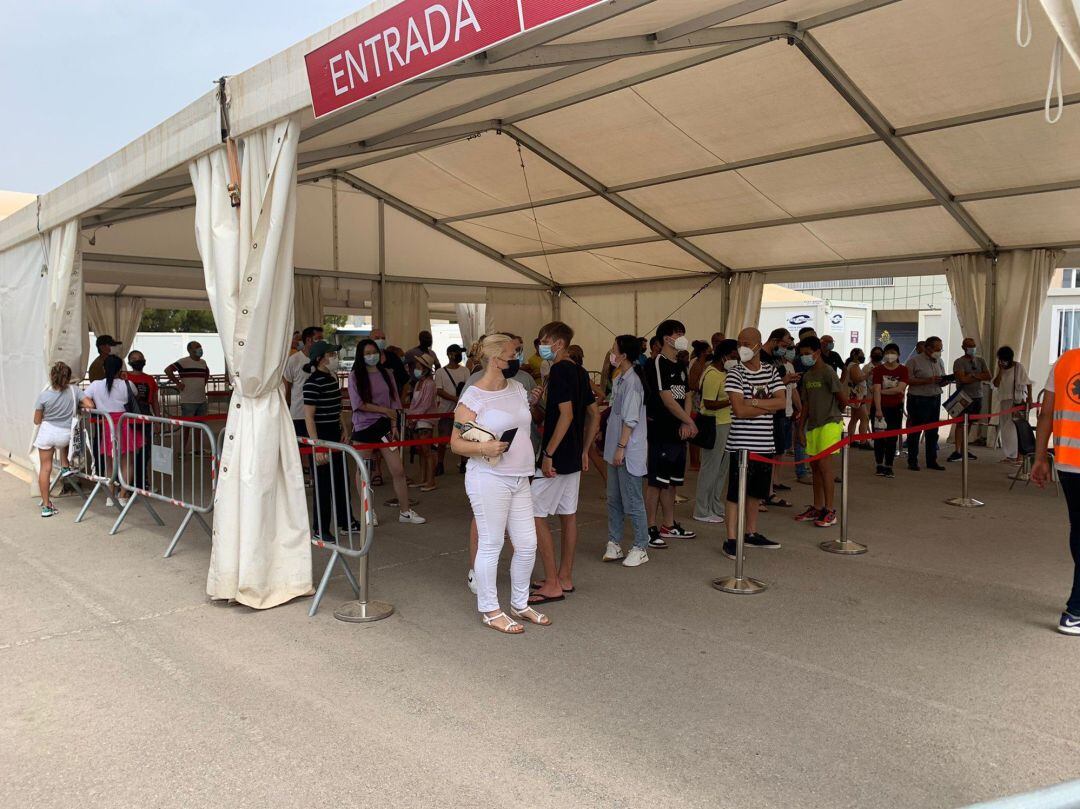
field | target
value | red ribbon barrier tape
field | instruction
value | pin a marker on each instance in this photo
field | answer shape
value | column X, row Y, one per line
column 428, row 416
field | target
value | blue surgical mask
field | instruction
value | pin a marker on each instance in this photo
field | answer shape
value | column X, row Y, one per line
column 418, row 373
column 547, row 353
column 371, row 360
column 826, row 346
column 970, row 351
column 642, row 359
column 520, row 356
column 197, row 353
column 789, row 353
column 807, row 360
column 380, row 344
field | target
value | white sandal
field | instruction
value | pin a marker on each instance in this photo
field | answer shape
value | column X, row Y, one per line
column 510, row 627
column 532, row 616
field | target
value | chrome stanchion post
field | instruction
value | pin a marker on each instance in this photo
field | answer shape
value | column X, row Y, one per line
column 740, row 584
column 964, row 501
column 843, row 545
column 362, row 610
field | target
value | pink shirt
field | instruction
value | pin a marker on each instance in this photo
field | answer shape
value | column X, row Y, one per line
column 381, row 396
column 423, row 398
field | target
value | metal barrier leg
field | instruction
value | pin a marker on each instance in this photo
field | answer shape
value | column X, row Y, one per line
column 740, row 584
column 964, row 501
column 843, row 545
column 89, row 500
column 362, row 611
column 325, row 580
column 153, row 512
column 351, row 578
column 179, row 533
column 123, row 513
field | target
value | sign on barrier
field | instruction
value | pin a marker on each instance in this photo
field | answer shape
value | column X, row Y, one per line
column 180, row 468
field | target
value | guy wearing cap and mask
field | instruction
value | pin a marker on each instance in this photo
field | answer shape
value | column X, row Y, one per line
column 190, row 374
column 925, row 372
column 105, row 345
column 971, row 372
column 295, row 376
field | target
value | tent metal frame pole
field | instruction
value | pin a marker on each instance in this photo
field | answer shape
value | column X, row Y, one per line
column 415, row 213
column 858, row 101
column 562, row 28
column 717, row 17
column 624, row 205
column 995, row 114
column 843, row 13
column 381, row 291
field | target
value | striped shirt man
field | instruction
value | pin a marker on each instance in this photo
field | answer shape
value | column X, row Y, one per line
column 323, row 392
column 754, row 433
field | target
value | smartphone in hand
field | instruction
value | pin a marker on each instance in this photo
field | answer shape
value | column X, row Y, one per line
column 508, row 437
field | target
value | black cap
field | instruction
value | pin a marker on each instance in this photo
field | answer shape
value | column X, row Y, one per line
column 319, row 348
column 106, row 340
column 455, row 347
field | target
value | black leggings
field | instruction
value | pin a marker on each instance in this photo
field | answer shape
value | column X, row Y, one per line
column 1070, row 484
column 885, row 448
column 332, row 487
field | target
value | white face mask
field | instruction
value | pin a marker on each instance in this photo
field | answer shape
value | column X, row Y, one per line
column 891, row 358
column 935, row 355
column 680, row 343
column 746, row 353
column 613, row 358
column 729, row 364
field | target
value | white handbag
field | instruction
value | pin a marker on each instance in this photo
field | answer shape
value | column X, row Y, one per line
column 471, row 431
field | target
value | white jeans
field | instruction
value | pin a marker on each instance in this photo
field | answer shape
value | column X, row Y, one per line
column 1007, row 430
column 502, row 504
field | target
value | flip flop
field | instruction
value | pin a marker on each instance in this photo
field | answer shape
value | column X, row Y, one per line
column 536, row 585
column 779, row 502
column 535, row 599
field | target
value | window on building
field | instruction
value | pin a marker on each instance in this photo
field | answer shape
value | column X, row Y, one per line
column 840, row 283
column 1066, row 328
column 1070, row 278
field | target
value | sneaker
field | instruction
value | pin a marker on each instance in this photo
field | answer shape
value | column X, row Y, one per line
column 123, row 501
column 675, row 531
column 972, row 456
column 811, row 513
column 827, row 518
column 49, row 511
column 655, row 540
column 956, row 456
column 613, row 553
column 353, row 527
column 729, row 548
column 806, row 480
column 680, row 499
column 1068, row 625
column 880, row 472
column 636, row 557
column 470, row 581
column 710, row 518
column 888, row 473
column 936, row 467
column 325, row 539
column 109, row 502
column 66, row 471
column 761, row 541
column 411, row 516
column 914, row 467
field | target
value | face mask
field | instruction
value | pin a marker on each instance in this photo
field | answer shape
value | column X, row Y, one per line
column 643, row 359
column 417, row 373
column 935, row 355
column 547, row 352
column 729, row 364
column 746, row 353
column 807, row 360
column 512, row 368
column 332, row 365
column 613, row 358
column 970, row 351
column 138, row 365
column 520, row 356
column 826, row 346
column 380, row 344
column 681, row 343
column 891, row 358
column 876, row 360
column 789, row 353
column 371, row 360
column 197, row 353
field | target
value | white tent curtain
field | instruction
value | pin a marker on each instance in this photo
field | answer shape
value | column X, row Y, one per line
column 307, row 301
column 1065, row 17
column 744, row 302
column 969, row 278
column 261, row 553
column 519, row 311
column 1022, row 283
column 470, row 317
column 65, row 314
column 406, row 313
column 117, row 315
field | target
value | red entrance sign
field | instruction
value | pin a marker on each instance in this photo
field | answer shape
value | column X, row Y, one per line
column 416, row 37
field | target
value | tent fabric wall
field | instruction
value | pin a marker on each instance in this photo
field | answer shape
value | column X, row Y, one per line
column 520, row 311
column 307, row 301
column 969, row 278
column 1065, row 17
column 744, row 302
column 470, row 318
column 65, row 313
column 24, row 297
column 261, row 554
column 1022, row 281
column 118, row 315
column 406, row 313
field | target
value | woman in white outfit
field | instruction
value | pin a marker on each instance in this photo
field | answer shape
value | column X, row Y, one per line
column 1014, row 388
column 497, row 482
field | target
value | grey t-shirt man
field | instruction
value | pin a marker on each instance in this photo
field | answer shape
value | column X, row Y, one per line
column 920, row 366
column 969, row 366
column 57, row 406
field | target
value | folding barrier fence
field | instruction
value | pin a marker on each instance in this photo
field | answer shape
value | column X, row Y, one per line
column 173, row 461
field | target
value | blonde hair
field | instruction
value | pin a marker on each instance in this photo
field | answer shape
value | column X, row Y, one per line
column 59, row 376
column 493, row 345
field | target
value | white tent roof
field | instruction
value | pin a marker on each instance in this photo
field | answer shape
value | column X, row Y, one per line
column 661, row 139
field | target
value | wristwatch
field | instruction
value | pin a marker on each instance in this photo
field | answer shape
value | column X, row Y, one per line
column 547, row 454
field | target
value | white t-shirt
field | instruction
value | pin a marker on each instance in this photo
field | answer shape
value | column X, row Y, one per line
column 1014, row 382
column 498, row 411
column 447, row 380
column 295, row 374
column 112, row 401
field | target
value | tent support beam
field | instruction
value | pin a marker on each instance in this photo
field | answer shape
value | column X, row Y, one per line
column 562, row 28
column 521, row 206
column 979, row 117
column 415, row 213
column 858, row 101
column 627, row 207
column 717, row 17
column 843, row 13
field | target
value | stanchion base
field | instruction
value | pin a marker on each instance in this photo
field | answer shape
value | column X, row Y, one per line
column 743, row 586
column 844, row 547
column 362, row 612
column 965, row 502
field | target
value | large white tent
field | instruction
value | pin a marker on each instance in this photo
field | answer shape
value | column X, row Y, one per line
column 639, row 159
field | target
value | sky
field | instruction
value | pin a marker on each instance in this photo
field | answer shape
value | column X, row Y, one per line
column 79, row 79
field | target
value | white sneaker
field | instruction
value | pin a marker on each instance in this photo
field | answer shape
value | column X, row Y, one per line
column 123, row 501
column 470, row 580
column 411, row 516
column 635, row 558
column 613, row 553
column 711, row 518
column 109, row 502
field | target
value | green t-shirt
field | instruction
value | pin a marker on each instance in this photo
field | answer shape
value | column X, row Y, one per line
column 819, row 389
column 712, row 389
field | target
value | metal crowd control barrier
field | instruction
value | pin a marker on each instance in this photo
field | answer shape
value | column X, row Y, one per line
column 843, row 545
column 1061, row 796
column 96, row 461
column 964, row 500
column 740, row 584
column 335, row 527
column 172, row 469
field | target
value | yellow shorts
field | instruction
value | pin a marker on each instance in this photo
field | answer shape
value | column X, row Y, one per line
column 821, row 438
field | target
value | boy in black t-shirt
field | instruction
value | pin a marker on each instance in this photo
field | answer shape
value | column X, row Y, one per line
column 570, row 423
column 668, row 409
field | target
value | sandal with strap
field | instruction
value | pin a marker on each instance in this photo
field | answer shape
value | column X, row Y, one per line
column 512, row 627
column 532, row 616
